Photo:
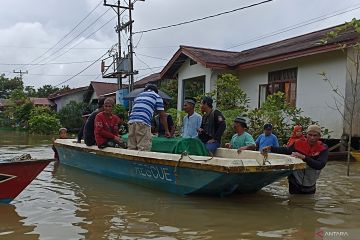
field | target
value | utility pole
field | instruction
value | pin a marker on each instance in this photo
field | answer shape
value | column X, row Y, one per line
column 117, row 9
column 131, row 51
column 21, row 73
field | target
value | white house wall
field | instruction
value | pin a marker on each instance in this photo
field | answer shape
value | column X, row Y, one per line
column 187, row 71
column 64, row 100
column 313, row 95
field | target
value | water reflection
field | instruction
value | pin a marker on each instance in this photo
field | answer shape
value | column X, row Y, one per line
column 12, row 225
column 67, row 203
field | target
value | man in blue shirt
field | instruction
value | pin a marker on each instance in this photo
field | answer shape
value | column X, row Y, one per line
column 267, row 138
column 192, row 121
column 140, row 118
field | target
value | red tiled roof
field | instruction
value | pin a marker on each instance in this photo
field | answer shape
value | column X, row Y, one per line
column 151, row 78
column 299, row 46
column 66, row 92
column 41, row 101
column 102, row 88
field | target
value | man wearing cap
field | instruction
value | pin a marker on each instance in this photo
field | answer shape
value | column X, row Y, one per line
column 267, row 138
column 212, row 125
column 241, row 140
column 192, row 121
column 140, row 118
column 89, row 135
column 313, row 152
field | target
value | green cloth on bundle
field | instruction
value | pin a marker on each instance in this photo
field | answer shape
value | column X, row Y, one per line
column 177, row 145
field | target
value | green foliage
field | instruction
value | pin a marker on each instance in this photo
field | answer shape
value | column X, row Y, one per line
column 170, row 87
column 30, row 91
column 281, row 115
column 120, row 109
column 7, row 85
column 44, row 124
column 71, row 115
column 40, row 110
column 229, row 95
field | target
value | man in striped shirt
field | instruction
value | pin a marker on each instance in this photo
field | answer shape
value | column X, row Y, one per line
column 140, row 118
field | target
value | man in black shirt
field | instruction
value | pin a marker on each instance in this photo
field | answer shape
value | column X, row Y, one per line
column 212, row 125
column 89, row 136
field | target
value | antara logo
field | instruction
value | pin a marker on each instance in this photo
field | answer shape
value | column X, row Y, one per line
column 5, row 177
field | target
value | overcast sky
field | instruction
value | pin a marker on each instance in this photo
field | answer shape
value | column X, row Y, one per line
column 30, row 31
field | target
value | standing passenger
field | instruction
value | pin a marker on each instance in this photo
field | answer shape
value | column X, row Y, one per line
column 212, row 125
column 140, row 118
column 192, row 121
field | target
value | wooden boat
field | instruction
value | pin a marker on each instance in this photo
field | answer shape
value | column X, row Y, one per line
column 225, row 173
column 16, row 175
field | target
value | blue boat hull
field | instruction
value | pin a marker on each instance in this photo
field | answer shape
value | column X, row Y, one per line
column 180, row 180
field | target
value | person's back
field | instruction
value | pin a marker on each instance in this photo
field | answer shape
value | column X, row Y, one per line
column 89, row 136
column 144, row 106
column 160, row 128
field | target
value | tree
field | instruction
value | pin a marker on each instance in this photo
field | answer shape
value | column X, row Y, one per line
column 43, row 120
column 7, row 85
column 71, row 115
column 170, row 87
column 30, row 91
column 347, row 102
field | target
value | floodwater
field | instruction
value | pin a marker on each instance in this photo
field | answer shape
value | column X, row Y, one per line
column 67, row 203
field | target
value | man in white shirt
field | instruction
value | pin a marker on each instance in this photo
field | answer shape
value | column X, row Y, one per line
column 192, row 121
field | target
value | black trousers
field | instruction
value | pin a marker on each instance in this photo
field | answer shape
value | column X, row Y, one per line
column 295, row 188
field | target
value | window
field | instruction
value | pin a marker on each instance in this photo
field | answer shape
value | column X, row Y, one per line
column 192, row 62
column 193, row 87
column 280, row 81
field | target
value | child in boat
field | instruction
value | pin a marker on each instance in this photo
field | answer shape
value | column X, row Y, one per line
column 62, row 135
column 296, row 135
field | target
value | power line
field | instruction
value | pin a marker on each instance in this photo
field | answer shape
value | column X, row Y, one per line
column 203, row 18
column 82, row 70
column 66, row 34
column 35, row 64
column 74, row 38
column 295, row 26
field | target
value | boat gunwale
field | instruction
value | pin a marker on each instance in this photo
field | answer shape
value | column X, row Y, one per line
column 184, row 163
column 9, row 161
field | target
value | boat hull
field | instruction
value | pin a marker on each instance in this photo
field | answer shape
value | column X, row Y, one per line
column 15, row 176
column 175, row 179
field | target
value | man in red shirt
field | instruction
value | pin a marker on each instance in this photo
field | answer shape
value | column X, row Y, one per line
column 106, row 127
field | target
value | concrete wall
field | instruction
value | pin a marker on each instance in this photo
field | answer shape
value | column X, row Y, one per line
column 313, row 95
column 63, row 101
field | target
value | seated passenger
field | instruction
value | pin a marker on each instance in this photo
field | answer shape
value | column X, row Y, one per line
column 80, row 135
column 296, row 135
column 241, row 140
column 192, row 121
column 106, row 127
column 158, row 128
column 62, row 135
column 89, row 128
column 267, row 138
column 212, row 125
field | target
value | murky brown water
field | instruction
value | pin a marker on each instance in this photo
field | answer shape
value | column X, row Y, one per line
column 67, row 203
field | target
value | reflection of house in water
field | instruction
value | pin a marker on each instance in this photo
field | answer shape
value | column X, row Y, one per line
column 291, row 66
column 12, row 225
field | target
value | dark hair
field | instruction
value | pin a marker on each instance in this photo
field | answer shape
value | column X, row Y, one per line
column 101, row 102
column 151, row 87
column 268, row 126
column 208, row 101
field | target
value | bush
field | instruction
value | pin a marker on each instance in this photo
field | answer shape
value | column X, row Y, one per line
column 71, row 115
column 44, row 124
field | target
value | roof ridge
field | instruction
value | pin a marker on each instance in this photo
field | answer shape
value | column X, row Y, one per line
column 211, row 49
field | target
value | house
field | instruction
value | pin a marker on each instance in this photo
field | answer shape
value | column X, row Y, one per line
column 97, row 90
column 291, row 66
column 62, row 98
column 153, row 78
column 42, row 102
